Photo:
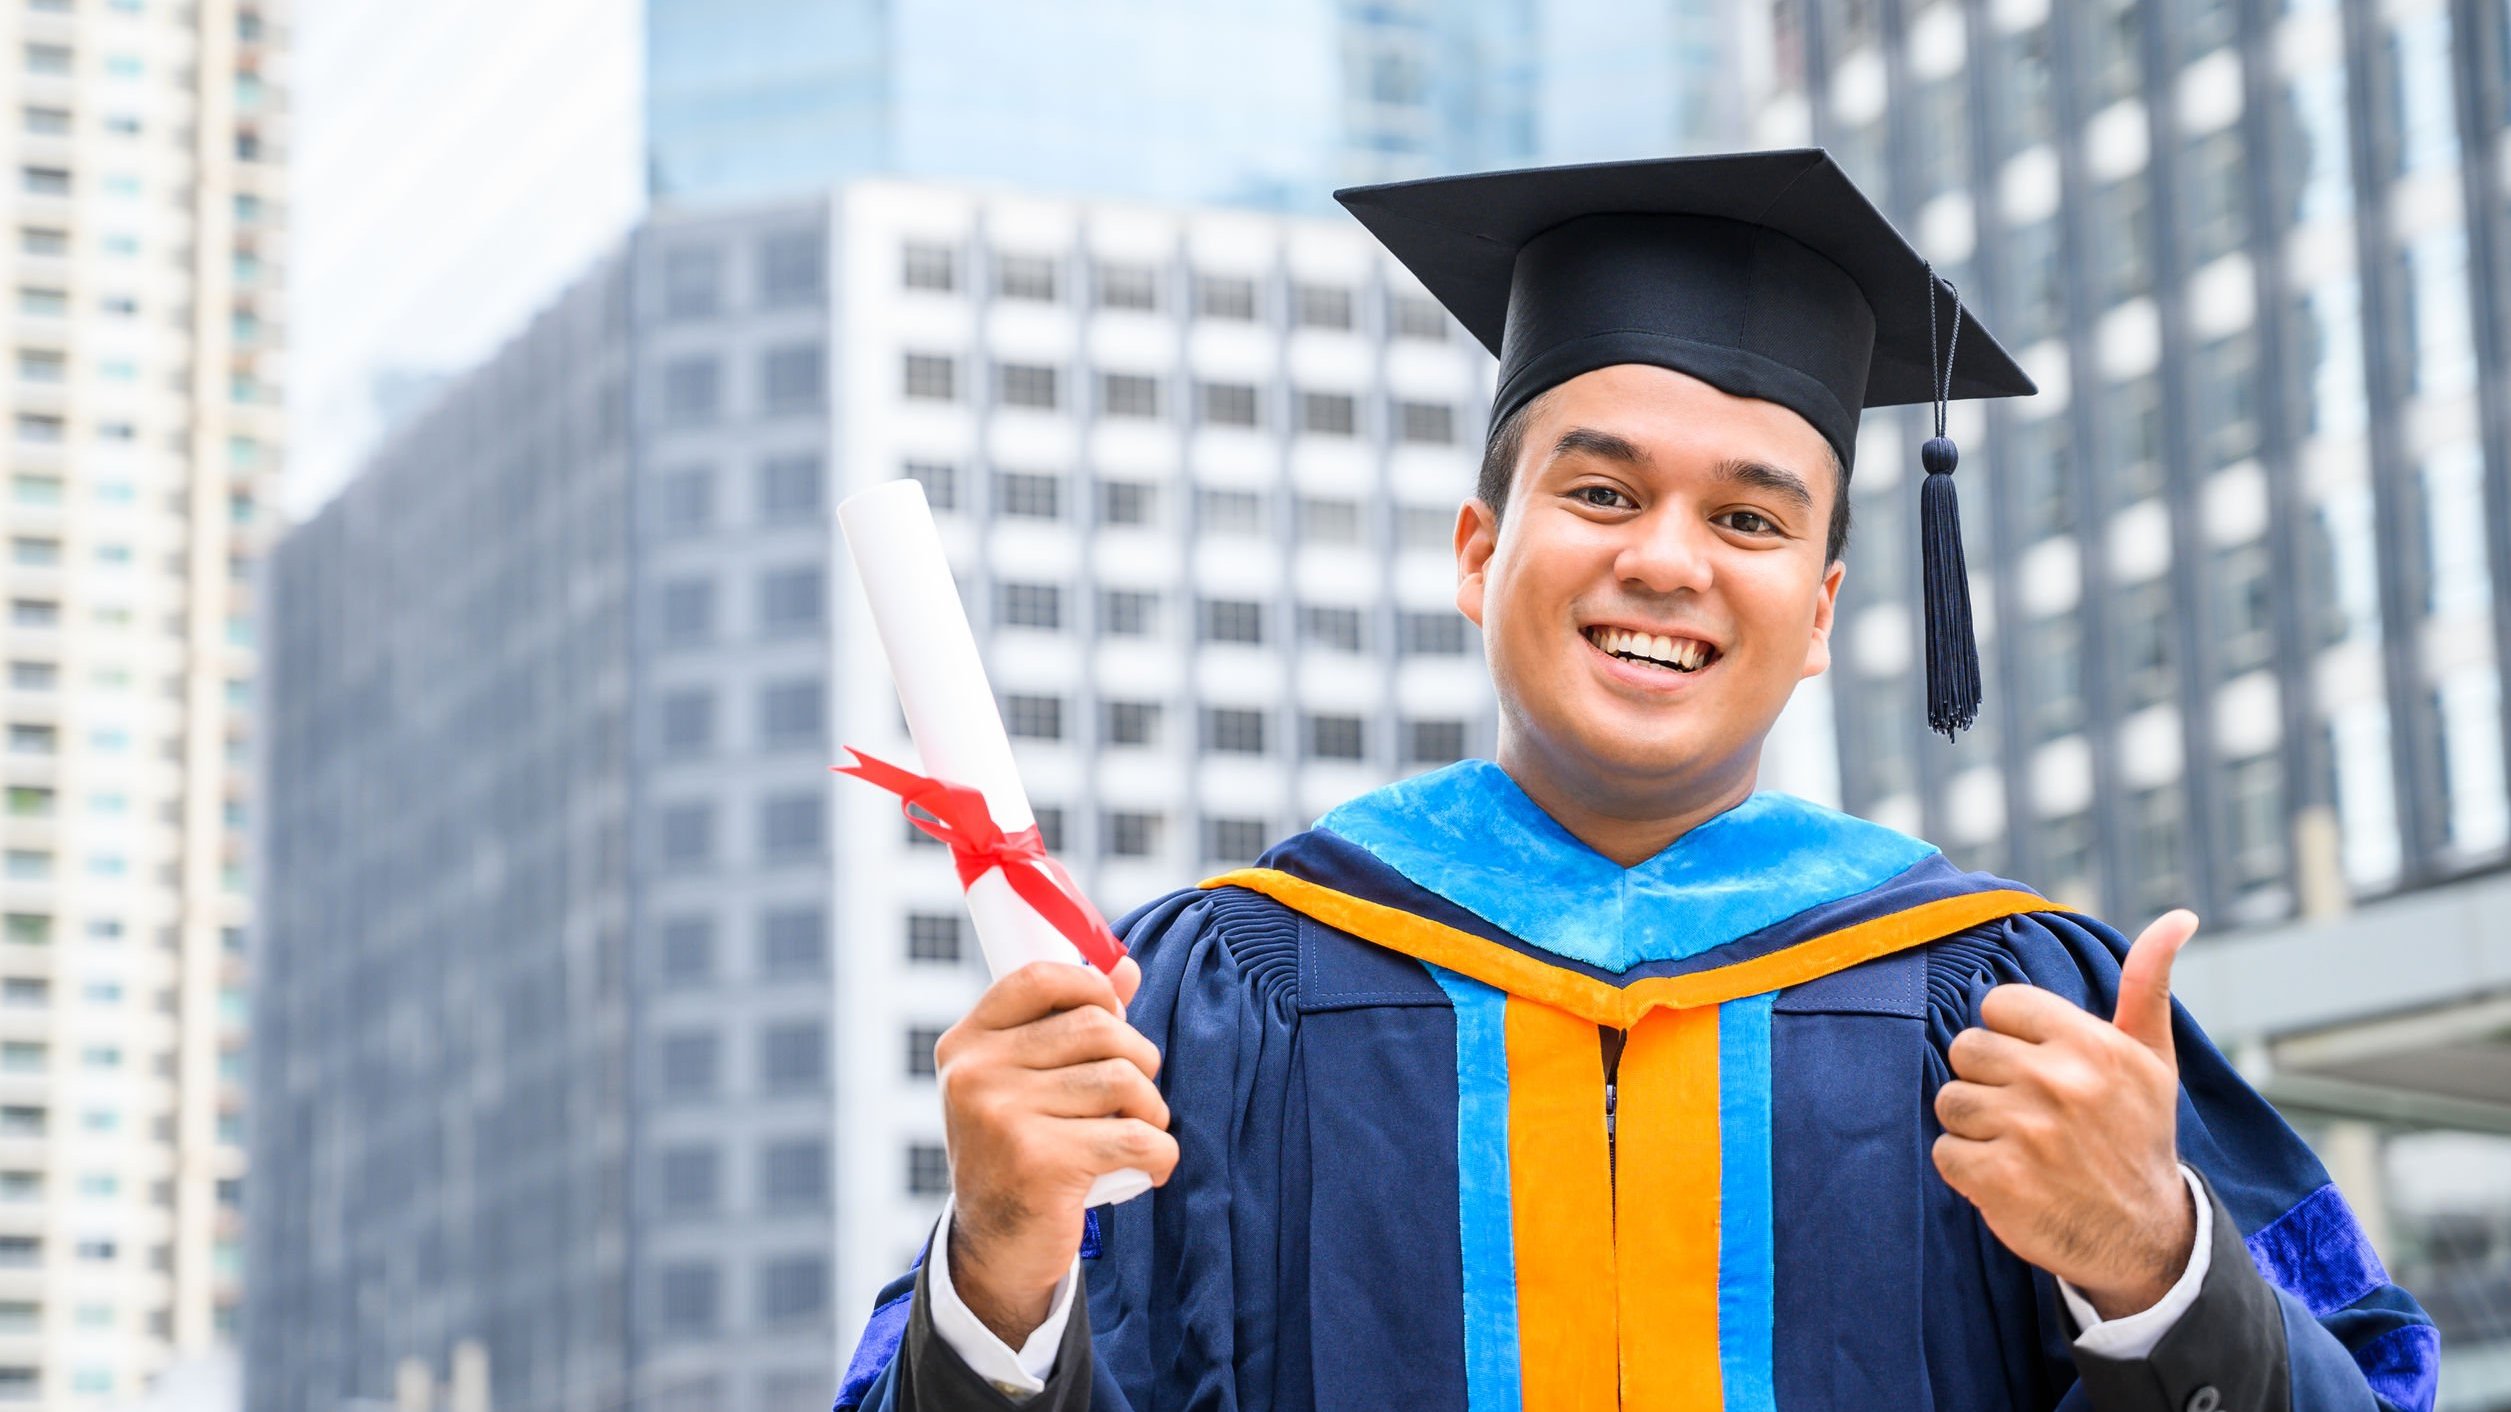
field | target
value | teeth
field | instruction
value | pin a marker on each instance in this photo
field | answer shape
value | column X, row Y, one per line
column 1681, row 653
column 1662, row 648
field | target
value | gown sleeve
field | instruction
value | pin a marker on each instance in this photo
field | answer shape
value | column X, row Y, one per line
column 1181, row 1295
column 2309, row 1320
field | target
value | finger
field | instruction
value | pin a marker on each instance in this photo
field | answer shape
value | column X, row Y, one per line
column 2144, row 1013
column 1041, row 988
column 1078, row 1037
column 1102, row 1088
column 1112, row 1144
column 1962, row 1162
column 1984, row 1056
column 1973, row 1111
column 2029, row 1013
column 1126, row 978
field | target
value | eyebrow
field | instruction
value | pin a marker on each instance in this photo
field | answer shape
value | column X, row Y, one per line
column 1759, row 475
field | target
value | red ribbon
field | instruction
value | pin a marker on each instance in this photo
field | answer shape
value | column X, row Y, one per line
column 978, row 844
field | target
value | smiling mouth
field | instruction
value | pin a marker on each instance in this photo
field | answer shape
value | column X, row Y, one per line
column 1670, row 654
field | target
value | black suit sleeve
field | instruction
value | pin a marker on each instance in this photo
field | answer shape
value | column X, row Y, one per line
column 2227, row 1353
column 932, row 1377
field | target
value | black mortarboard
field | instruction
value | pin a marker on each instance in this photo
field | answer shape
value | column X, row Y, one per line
column 1764, row 274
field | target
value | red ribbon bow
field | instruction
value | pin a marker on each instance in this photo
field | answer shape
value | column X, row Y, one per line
column 977, row 844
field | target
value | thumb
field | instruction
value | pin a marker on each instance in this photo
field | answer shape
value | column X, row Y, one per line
column 1127, row 978
column 2144, row 1013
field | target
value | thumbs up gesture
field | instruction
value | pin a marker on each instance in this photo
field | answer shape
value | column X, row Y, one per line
column 2060, row 1127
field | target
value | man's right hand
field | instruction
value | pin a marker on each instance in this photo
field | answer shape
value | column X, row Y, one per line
column 1044, row 1089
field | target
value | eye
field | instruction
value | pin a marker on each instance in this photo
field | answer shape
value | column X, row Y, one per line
column 1748, row 522
column 1602, row 497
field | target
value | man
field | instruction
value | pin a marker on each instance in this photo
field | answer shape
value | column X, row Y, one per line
column 1592, row 1077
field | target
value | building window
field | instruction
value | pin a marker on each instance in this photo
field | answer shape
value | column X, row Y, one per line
column 932, row 377
column 793, row 1056
column 792, row 1287
column 1225, row 297
column 1334, row 629
column 1034, row 717
column 791, row 712
column 44, row 181
column 1124, row 502
column 1028, row 496
column 790, row 485
column 1225, row 404
column 1050, row 821
column 2218, row 194
column 2157, row 839
column 2043, row 475
column 690, row 1178
column 692, row 280
column 793, row 1172
column 692, row 392
column 1328, row 521
column 940, row 482
column 2225, row 389
column 791, row 825
column 1233, row 730
column 686, row 721
column 2122, row 240
column 2132, row 433
column 1029, row 605
column 2427, row 116
column 687, row 950
column 791, row 378
column 1231, row 620
column 1414, row 316
column 920, row 1042
column 1129, row 395
column 688, row 1297
column 1427, row 527
column 928, row 1169
column 1328, row 413
column 1129, row 612
column 1127, row 287
column 1219, row 511
column 1433, row 634
column 2438, row 305
column 1025, row 385
column 2253, row 794
column 933, row 937
column 1337, row 737
column 687, row 834
column 1234, row 840
column 930, row 267
column 688, row 500
column 791, row 268
column 2145, row 627
column 1131, row 833
column 689, row 1064
column 791, row 600
column 1433, row 742
column 1320, row 306
column 793, row 941
column 1130, row 722
column 1029, row 277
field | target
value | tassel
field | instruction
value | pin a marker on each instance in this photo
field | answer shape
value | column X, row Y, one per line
column 1952, row 647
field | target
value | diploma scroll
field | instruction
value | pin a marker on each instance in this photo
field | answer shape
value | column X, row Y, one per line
column 959, row 736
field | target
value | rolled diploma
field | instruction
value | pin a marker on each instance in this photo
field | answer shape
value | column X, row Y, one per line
column 951, row 716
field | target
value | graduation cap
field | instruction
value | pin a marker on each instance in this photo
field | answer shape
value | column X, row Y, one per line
column 1763, row 274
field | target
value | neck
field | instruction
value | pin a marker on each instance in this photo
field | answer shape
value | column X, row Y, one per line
column 1626, row 825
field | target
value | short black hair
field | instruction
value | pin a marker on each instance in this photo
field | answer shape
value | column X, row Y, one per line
column 1508, row 441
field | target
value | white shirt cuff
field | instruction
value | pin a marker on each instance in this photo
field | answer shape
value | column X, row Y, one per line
column 2135, row 1335
column 1021, row 1374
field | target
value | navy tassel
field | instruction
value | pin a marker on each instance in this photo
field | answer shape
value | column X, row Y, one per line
column 1952, row 648
column 1952, row 645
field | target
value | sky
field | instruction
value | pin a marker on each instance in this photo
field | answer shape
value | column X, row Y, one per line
column 459, row 162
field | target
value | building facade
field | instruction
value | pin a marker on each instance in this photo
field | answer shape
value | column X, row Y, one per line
column 146, row 235
column 2245, row 563
column 595, row 1017
column 1265, row 103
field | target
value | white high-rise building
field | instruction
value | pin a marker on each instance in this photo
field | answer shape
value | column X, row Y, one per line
column 144, row 240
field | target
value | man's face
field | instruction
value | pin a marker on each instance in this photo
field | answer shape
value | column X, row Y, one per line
column 1656, row 587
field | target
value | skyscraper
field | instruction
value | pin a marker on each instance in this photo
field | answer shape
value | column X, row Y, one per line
column 2246, row 560
column 596, row 1018
column 1270, row 103
column 146, row 220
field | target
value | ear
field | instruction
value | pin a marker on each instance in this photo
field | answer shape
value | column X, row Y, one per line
column 1477, row 535
column 1826, row 602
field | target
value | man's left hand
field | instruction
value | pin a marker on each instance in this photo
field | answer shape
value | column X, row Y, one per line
column 2062, row 1129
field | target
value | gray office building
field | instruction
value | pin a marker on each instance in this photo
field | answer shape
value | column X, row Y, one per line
column 2244, row 566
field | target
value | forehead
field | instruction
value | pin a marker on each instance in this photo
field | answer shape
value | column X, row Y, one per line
column 1677, row 419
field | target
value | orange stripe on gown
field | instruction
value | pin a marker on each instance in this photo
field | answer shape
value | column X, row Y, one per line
column 1668, row 1222
column 1561, row 1203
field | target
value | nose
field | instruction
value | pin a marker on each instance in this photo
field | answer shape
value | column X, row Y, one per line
column 1668, row 552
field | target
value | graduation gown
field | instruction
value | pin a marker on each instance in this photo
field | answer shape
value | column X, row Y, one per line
column 1404, row 1179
